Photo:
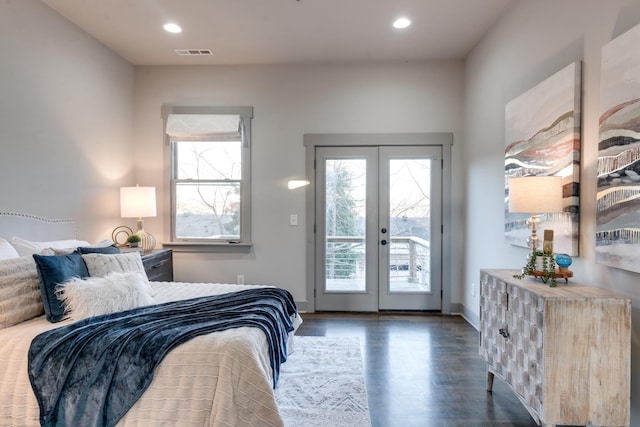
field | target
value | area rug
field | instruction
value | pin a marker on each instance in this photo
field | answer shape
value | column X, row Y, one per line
column 322, row 384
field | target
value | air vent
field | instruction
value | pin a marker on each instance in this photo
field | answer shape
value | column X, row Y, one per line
column 186, row 52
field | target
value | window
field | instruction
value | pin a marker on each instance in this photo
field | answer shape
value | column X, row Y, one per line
column 210, row 173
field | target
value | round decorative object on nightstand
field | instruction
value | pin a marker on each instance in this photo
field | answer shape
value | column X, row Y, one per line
column 120, row 234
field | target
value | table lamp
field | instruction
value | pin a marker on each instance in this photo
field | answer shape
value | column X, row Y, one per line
column 535, row 195
column 139, row 202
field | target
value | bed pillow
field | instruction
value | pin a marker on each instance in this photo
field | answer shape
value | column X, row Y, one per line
column 99, row 265
column 28, row 248
column 20, row 298
column 52, row 271
column 7, row 251
column 99, row 248
column 110, row 249
column 114, row 292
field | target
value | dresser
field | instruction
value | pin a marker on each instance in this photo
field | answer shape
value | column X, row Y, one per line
column 158, row 264
column 564, row 351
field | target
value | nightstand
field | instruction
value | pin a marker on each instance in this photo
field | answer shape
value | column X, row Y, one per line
column 158, row 264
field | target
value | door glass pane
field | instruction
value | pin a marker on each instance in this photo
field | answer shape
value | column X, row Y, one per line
column 410, row 225
column 345, row 204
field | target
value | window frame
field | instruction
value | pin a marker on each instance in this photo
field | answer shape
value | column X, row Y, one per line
column 199, row 244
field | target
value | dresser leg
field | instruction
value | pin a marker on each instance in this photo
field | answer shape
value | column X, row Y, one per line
column 489, row 381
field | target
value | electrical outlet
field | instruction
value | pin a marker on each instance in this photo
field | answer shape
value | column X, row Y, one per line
column 473, row 289
column 240, row 279
column 293, row 219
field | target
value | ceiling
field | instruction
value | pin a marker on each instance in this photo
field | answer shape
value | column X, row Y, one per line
column 284, row 31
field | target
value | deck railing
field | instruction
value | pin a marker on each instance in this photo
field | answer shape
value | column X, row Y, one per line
column 407, row 257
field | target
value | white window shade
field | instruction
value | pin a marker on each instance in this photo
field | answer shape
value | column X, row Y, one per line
column 204, row 127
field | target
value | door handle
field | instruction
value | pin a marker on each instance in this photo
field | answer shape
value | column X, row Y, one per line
column 383, row 242
column 383, row 231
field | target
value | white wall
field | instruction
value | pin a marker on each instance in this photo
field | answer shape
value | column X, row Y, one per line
column 533, row 41
column 288, row 102
column 66, row 120
column 73, row 119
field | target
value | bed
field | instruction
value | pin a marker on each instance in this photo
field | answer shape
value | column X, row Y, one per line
column 223, row 378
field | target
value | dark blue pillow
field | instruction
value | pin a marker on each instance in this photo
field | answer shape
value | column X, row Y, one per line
column 53, row 270
column 112, row 249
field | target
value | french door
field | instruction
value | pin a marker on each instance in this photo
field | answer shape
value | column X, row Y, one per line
column 378, row 228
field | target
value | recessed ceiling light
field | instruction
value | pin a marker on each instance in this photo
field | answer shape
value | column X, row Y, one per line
column 401, row 23
column 172, row 28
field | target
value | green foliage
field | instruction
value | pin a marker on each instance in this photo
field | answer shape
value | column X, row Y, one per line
column 133, row 238
column 548, row 268
column 341, row 220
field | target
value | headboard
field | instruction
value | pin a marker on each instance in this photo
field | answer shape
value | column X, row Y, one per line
column 35, row 228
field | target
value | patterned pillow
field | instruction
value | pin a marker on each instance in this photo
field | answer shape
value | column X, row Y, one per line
column 20, row 298
column 99, row 265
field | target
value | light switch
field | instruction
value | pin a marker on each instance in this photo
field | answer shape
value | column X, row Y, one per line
column 293, row 219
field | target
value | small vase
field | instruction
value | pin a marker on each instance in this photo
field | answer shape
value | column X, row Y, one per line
column 563, row 261
column 541, row 260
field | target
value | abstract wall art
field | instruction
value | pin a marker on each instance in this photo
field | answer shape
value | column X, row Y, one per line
column 618, row 165
column 542, row 134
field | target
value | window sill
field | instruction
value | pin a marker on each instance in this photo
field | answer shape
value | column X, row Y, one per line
column 208, row 247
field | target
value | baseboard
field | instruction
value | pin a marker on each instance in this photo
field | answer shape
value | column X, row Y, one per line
column 456, row 309
column 302, row 306
column 472, row 318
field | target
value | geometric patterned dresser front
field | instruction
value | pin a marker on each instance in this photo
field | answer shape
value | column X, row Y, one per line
column 493, row 320
column 564, row 351
column 524, row 350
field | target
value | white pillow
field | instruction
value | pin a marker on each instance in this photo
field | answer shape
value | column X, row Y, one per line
column 28, row 248
column 99, row 265
column 7, row 251
column 94, row 296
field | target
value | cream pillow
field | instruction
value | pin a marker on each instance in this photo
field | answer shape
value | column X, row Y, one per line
column 83, row 298
column 99, row 265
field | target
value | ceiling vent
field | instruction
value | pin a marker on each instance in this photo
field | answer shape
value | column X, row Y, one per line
column 191, row 52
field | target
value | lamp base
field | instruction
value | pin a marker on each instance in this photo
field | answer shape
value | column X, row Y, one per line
column 147, row 241
column 533, row 241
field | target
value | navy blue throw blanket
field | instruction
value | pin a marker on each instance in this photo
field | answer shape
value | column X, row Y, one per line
column 92, row 372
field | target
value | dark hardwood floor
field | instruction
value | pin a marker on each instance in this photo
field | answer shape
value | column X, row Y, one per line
column 423, row 370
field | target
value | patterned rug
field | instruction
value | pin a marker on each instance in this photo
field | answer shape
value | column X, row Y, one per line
column 322, row 384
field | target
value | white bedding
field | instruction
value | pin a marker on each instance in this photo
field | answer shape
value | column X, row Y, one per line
column 219, row 379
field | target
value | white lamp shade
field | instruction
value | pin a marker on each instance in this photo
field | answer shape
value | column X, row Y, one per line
column 137, row 202
column 535, row 194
